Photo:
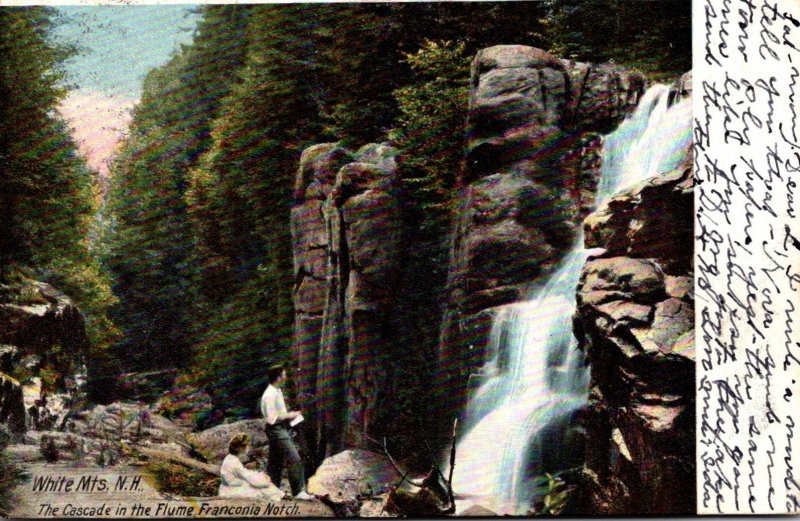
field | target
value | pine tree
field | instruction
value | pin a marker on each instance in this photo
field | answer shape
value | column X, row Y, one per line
column 244, row 184
column 152, row 250
column 359, row 65
column 653, row 37
column 48, row 198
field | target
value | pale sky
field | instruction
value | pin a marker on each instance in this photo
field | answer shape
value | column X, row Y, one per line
column 120, row 44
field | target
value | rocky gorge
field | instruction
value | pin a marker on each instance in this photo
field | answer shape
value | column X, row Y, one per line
column 527, row 188
column 531, row 166
column 530, row 176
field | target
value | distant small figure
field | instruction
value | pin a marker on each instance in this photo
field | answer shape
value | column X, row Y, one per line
column 237, row 481
column 145, row 418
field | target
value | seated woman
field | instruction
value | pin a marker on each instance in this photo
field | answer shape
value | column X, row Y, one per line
column 237, row 481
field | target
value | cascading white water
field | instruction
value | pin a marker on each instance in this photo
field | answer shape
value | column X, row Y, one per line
column 535, row 376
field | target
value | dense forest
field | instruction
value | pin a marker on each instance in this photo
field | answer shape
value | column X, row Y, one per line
column 184, row 268
column 48, row 197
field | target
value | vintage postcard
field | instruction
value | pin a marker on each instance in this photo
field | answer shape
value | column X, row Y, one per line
column 400, row 259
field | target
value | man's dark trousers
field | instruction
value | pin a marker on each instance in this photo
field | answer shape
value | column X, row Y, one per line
column 282, row 451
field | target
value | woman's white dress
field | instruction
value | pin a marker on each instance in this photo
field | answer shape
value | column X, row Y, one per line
column 237, row 481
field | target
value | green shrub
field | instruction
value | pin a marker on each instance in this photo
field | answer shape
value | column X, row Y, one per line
column 187, row 400
column 17, row 286
column 49, row 450
column 10, row 476
column 553, row 495
column 110, row 454
column 181, row 481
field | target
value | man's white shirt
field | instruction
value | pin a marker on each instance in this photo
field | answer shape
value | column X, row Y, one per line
column 272, row 404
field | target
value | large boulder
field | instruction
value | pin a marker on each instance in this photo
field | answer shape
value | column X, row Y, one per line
column 649, row 221
column 124, row 421
column 42, row 334
column 478, row 511
column 212, row 443
column 64, row 445
column 352, row 475
column 36, row 318
column 531, row 164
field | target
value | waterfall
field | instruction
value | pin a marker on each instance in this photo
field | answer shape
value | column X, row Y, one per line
column 535, row 375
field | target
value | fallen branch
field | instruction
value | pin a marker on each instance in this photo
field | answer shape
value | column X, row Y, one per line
column 431, row 496
column 180, row 460
column 403, row 475
column 452, row 508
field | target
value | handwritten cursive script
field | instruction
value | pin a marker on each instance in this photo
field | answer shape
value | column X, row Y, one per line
column 747, row 256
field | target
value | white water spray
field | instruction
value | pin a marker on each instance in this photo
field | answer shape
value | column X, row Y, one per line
column 535, row 376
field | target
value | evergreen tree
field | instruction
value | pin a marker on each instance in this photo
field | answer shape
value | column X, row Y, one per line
column 431, row 127
column 30, row 89
column 359, row 65
column 47, row 194
column 654, row 37
column 201, row 207
column 244, row 181
column 151, row 244
column 152, row 249
column 474, row 24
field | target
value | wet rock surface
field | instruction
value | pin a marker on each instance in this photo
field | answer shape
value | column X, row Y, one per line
column 635, row 321
column 530, row 176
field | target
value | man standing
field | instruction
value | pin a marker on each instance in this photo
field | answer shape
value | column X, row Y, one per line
column 281, row 446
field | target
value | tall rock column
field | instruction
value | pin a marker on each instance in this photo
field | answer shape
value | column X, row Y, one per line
column 347, row 240
column 316, row 176
column 529, row 177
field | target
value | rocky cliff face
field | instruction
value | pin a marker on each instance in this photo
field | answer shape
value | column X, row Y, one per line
column 346, row 229
column 635, row 322
column 42, row 337
column 531, row 166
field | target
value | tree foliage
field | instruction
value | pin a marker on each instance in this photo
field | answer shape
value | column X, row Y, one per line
column 201, row 249
column 654, row 36
column 196, row 229
column 151, row 248
column 48, row 198
column 244, row 181
column 430, row 133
